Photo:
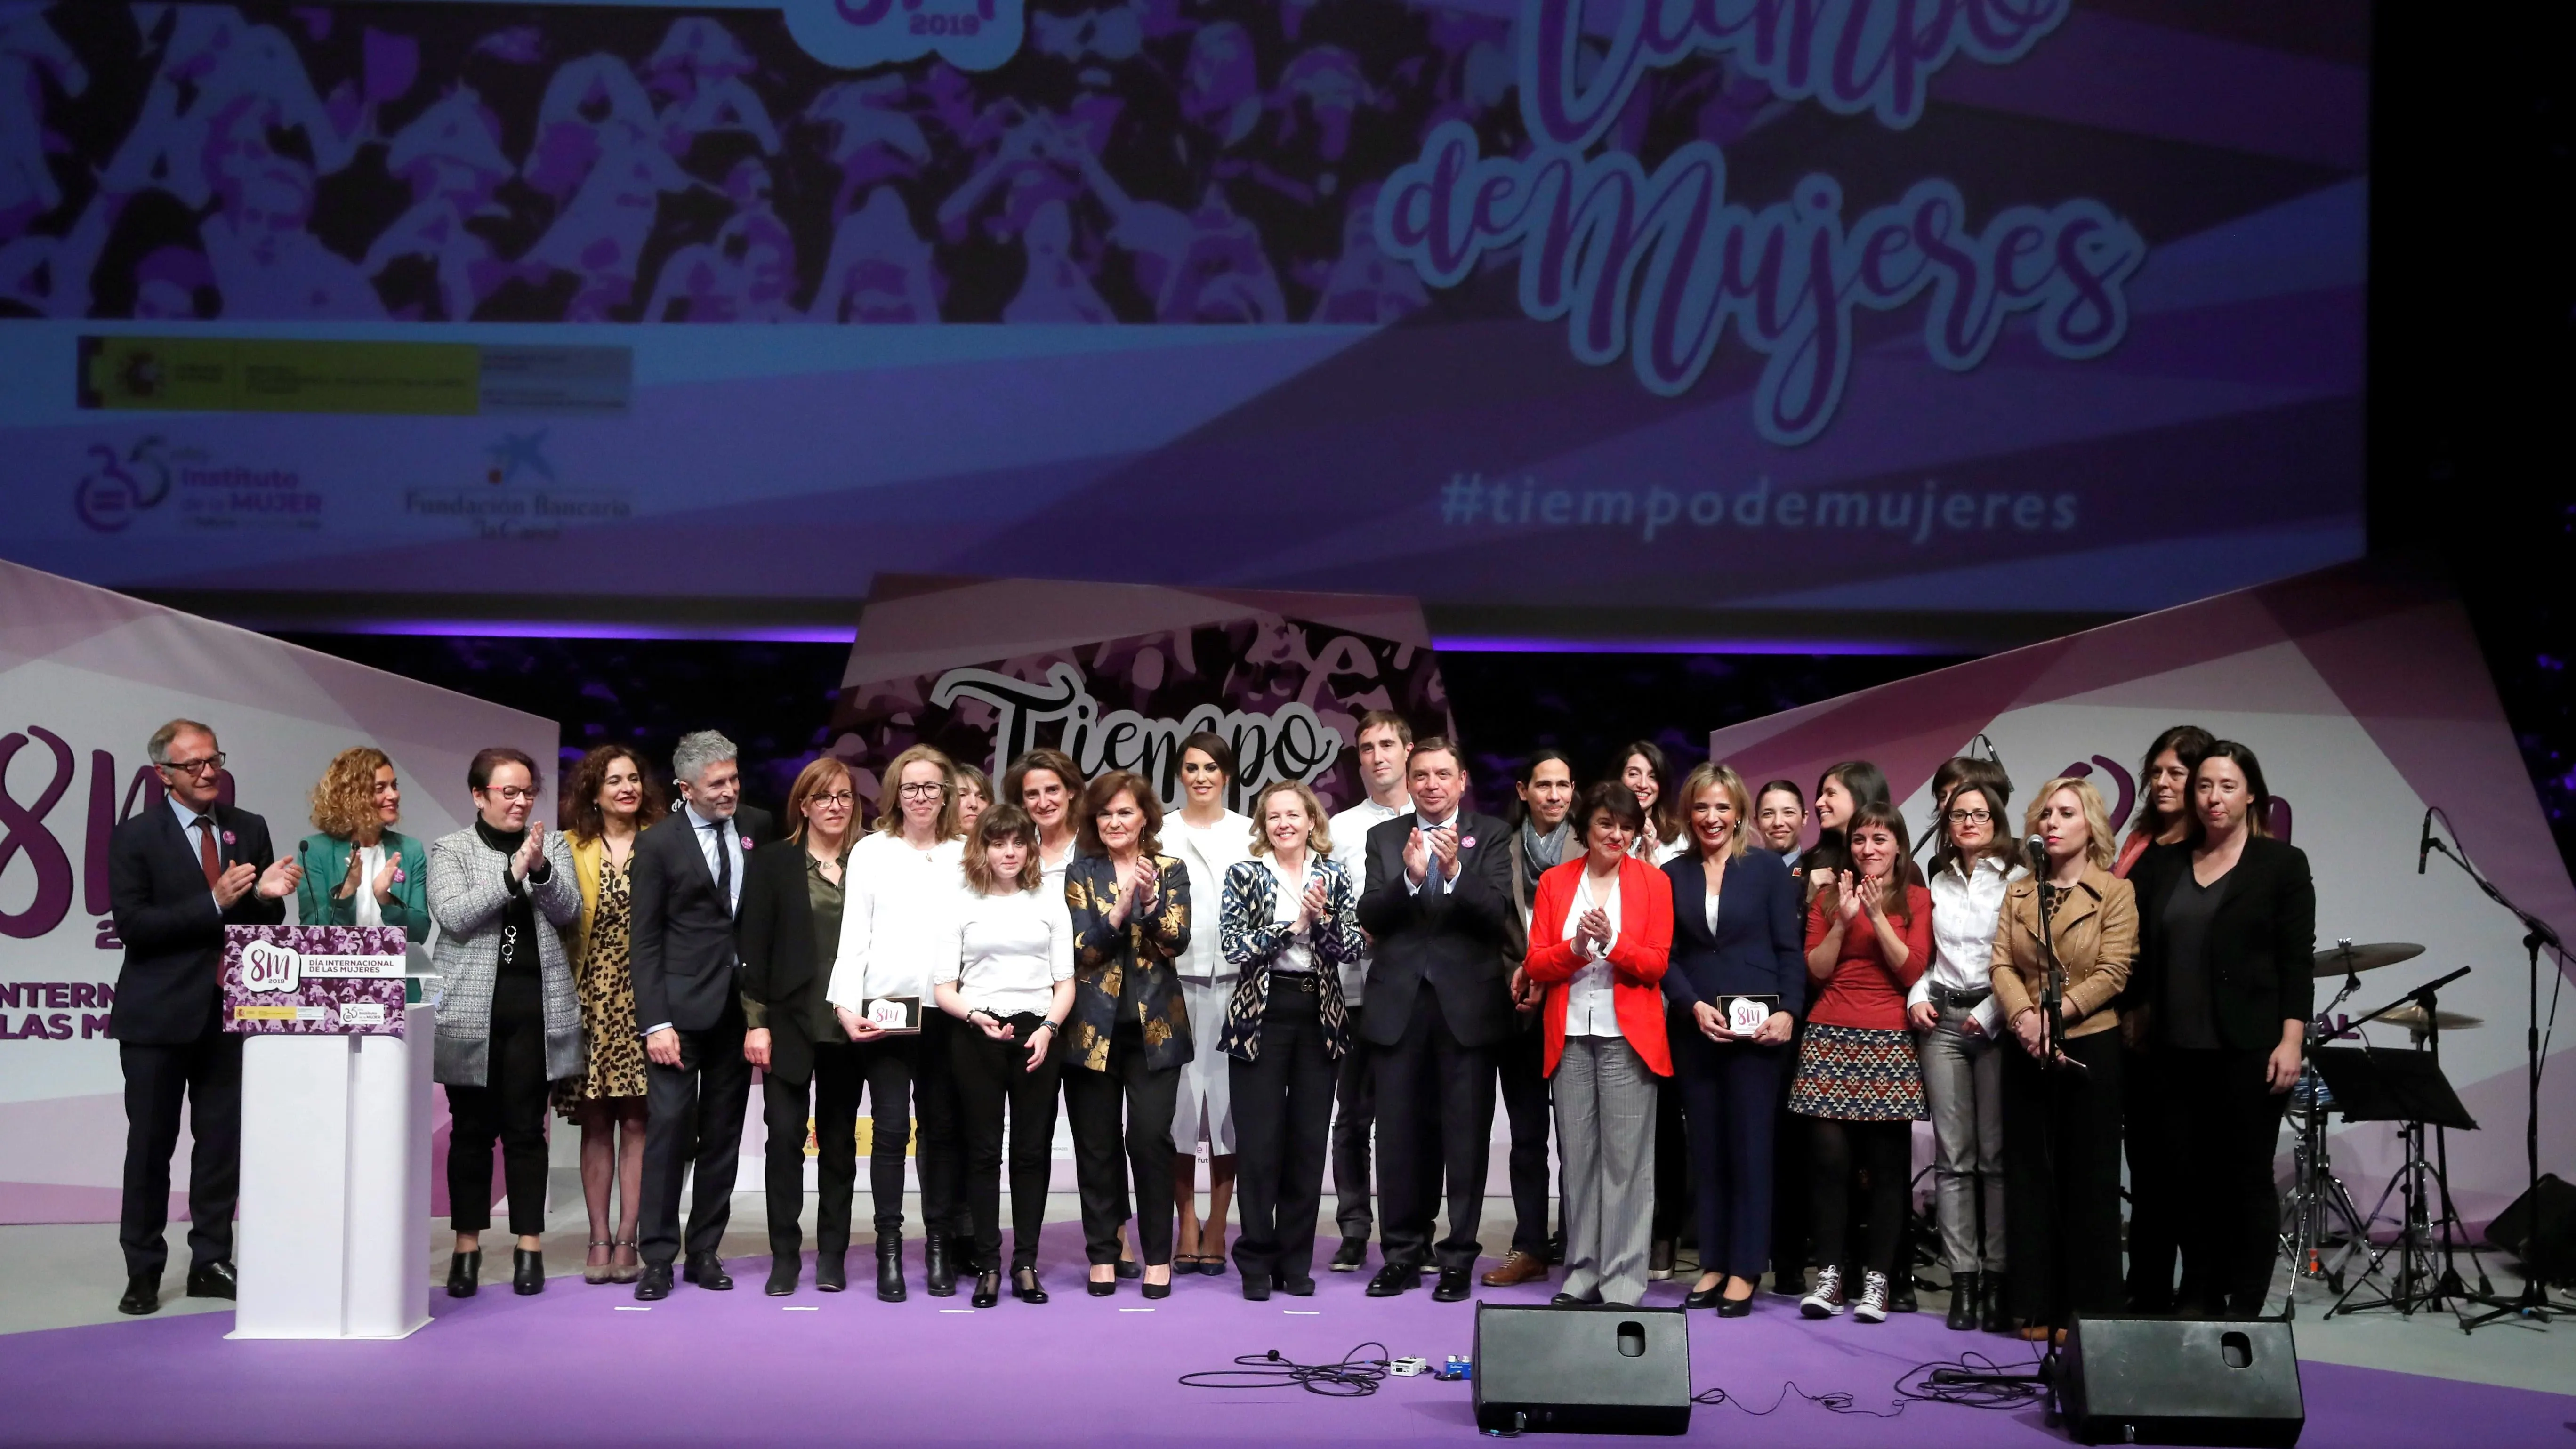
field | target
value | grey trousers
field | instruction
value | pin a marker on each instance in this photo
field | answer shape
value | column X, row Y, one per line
column 1963, row 1085
column 1605, row 1142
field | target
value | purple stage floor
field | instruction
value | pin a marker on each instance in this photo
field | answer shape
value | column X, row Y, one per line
column 579, row 1365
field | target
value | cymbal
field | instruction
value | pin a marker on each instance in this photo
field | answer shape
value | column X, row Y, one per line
column 2354, row 957
column 2411, row 1017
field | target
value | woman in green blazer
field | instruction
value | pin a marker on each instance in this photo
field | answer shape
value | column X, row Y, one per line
column 358, row 869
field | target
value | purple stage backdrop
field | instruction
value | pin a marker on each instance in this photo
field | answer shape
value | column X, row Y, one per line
column 1117, row 675
column 1646, row 305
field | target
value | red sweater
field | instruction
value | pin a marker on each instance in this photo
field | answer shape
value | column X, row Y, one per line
column 1637, row 957
column 1862, row 991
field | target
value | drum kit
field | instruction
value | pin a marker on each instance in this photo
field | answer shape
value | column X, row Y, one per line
column 2322, row 1230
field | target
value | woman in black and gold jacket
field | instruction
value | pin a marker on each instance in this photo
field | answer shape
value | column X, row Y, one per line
column 1130, row 1031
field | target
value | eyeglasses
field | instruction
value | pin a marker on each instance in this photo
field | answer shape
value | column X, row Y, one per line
column 837, row 797
column 207, row 766
column 928, row 790
column 1971, row 817
column 512, row 793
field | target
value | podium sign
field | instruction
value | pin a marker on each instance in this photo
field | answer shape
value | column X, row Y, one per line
column 313, row 980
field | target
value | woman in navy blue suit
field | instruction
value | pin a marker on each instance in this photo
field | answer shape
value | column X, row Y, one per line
column 1736, row 912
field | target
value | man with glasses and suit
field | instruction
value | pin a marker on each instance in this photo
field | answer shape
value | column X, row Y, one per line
column 178, row 873
column 687, row 884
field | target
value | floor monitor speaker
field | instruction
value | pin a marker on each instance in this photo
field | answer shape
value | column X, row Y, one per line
column 2178, row 1381
column 1582, row 1370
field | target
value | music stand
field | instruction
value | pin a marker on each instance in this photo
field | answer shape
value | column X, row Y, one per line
column 2391, row 1086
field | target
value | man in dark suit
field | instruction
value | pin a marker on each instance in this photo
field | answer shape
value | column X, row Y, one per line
column 1437, row 905
column 687, row 885
column 179, row 871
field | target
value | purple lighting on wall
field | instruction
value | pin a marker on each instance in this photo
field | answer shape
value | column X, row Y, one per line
column 841, row 633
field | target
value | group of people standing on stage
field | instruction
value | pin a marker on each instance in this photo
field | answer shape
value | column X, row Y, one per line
column 1722, row 1025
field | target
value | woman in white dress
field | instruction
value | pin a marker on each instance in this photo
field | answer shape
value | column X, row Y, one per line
column 1211, row 840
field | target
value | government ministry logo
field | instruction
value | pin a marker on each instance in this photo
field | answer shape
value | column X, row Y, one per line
column 858, row 34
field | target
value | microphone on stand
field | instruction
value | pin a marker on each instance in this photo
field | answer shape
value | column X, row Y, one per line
column 2035, row 850
column 2424, row 842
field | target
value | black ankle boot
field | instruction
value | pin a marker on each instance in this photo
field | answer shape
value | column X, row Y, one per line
column 831, row 1273
column 527, row 1271
column 464, row 1273
column 1963, row 1302
column 938, row 1273
column 890, row 1287
column 1990, row 1303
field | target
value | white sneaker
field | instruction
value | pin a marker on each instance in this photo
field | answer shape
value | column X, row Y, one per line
column 1872, row 1307
column 1827, row 1299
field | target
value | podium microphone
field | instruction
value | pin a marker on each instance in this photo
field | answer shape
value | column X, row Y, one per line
column 2036, row 848
column 2424, row 843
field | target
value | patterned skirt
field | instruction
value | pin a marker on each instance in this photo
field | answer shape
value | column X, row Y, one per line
column 1858, row 1074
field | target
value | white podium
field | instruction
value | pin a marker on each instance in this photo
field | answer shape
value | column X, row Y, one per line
column 335, row 1184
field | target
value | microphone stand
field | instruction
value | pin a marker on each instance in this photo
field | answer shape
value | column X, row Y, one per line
column 2532, row 1304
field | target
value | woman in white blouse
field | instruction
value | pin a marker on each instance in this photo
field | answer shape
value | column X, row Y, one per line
column 1211, row 840
column 902, row 884
column 1290, row 919
column 1953, row 1012
column 1009, row 975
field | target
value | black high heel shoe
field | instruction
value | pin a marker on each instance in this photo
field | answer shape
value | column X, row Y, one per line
column 1156, row 1290
column 464, row 1273
column 988, row 1289
column 1102, row 1287
column 1705, row 1297
column 527, row 1271
column 1024, row 1286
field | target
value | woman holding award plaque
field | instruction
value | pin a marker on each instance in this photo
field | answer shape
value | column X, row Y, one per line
column 1737, row 981
column 902, row 884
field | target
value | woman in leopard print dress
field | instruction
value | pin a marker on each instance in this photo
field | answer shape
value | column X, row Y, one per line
column 608, row 798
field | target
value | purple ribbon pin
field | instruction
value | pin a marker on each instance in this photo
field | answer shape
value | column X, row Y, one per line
column 228, row 837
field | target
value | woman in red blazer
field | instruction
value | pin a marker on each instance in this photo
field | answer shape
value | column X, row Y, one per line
column 1600, row 933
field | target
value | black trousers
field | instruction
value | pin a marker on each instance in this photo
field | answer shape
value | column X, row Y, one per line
column 2062, row 1182
column 1526, row 1108
column 2221, row 1125
column 991, row 1075
column 693, row 1114
column 1354, row 1120
column 1435, row 1112
column 1091, row 1104
column 207, row 1074
column 510, row 1106
column 2155, row 1229
column 939, row 1155
column 889, row 1068
column 834, row 1095
column 1283, row 1107
column 1793, row 1195
column 1885, row 1151
column 1672, row 1210
column 1730, row 1097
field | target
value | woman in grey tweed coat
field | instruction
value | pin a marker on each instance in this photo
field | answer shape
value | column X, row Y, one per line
column 509, row 1021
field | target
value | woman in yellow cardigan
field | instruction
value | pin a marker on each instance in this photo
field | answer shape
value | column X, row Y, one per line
column 608, row 798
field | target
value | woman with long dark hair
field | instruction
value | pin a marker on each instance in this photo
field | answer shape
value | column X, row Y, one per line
column 1542, row 839
column 2158, row 844
column 1860, row 1084
column 608, row 800
column 1643, row 770
column 2229, row 938
column 1735, row 937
